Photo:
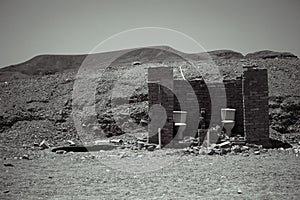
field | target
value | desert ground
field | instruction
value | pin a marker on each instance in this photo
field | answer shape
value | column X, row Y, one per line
column 119, row 174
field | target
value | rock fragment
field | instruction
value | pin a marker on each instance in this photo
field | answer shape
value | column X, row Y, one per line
column 151, row 148
column 71, row 143
column 25, row 157
column 224, row 144
column 8, row 165
column 60, row 152
column 44, row 145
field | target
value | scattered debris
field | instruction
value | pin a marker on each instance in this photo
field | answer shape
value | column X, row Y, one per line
column 116, row 141
column 245, row 148
column 44, row 145
column 238, row 140
column 144, row 122
column 140, row 145
column 136, row 63
column 97, row 142
column 264, row 150
column 232, row 145
column 151, row 148
column 236, row 149
column 245, row 154
column 60, row 152
column 35, row 144
column 122, row 155
column 71, row 143
column 224, row 144
column 25, row 157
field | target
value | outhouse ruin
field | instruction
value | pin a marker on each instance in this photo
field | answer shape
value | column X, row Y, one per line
column 247, row 94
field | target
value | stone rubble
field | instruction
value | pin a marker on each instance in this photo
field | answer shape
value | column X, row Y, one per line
column 232, row 149
column 230, row 146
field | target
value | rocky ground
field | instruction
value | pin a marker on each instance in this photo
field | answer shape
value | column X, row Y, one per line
column 162, row 174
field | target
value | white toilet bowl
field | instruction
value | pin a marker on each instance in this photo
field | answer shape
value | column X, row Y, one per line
column 179, row 118
column 228, row 125
column 228, row 116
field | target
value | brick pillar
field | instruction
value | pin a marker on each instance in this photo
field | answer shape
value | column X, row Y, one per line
column 255, row 104
column 160, row 94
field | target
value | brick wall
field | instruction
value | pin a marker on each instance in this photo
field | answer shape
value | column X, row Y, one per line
column 255, row 97
column 212, row 97
column 234, row 98
column 204, row 101
column 160, row 87
column 186, row 100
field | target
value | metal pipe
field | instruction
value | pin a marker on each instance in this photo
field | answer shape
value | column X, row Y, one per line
column 159, row 138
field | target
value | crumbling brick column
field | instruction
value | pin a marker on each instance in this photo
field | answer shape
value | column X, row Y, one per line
column 255, row 104
column 160, row 92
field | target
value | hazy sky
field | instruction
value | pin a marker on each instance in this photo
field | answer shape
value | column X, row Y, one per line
column 33, row 27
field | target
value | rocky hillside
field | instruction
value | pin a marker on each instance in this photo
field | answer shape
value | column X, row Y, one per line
column 51, row 64
column 265, row 54
column 36, row 96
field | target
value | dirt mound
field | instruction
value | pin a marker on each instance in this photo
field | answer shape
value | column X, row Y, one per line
column 269, row 54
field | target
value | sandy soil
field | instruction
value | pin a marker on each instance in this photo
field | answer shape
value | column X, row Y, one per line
column 163, row 174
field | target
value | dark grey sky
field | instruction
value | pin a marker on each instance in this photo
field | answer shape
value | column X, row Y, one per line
column 33, row 27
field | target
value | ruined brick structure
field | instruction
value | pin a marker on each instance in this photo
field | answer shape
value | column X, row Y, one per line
column 247, row 94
